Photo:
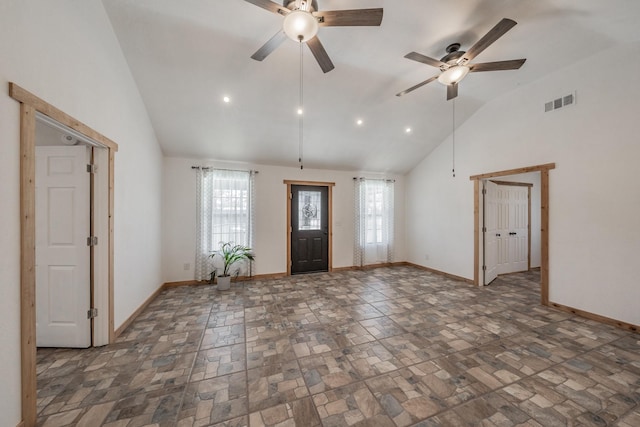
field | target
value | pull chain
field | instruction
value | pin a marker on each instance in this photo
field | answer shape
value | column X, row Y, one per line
column 453, row 133
column 301, row 118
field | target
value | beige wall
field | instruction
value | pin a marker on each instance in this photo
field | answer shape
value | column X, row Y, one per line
column 66, row 53
column 179, row 213
column 594, row 197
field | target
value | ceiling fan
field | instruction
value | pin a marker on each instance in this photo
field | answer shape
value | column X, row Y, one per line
column 302, row 20
column 454, row 66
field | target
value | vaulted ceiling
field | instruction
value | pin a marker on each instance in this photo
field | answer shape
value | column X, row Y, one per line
column 186, row 55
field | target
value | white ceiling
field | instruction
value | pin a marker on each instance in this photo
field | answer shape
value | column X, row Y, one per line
column 186, row 55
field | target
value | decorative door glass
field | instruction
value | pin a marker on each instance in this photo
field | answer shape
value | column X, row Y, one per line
column 309, row 210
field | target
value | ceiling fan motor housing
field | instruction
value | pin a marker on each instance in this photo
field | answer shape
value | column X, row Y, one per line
column 312, row 5
column 453, row 54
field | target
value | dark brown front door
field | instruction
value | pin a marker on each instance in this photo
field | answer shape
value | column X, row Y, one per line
column 309, row 229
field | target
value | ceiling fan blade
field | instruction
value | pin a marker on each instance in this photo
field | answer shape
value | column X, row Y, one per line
column 320, row 54
column 269, row 46
column 270, row 6
column 512, row 64
column 452, row 91
column 351, row 18
column 494, row 34
column 419, row 85
column 424, row 59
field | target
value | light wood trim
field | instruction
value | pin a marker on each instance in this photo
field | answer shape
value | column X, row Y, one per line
column 476, row 232
column 529, row 227
column 289, row 229
column 544, row 237
column 329, row 186
column 28, row 262
column 544, row 219
column 596, row 317
column 29, row 105
column 527, row 169
column 139, row 310
column 21, row 424
column 26, row 97
column 311, row 183
column 112, row 334
column 512, row 184
column 442, row 273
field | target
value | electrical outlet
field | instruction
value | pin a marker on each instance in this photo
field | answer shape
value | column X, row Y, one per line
column 186, row 266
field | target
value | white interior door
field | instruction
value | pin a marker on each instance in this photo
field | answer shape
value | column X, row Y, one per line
column 491, row 234
column 513, row 228
column 518, row 229
column 62, row 254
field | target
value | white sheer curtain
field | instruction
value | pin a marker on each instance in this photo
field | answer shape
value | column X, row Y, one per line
column 373, row 221
column 225, row 213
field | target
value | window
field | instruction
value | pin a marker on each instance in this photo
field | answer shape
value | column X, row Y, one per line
column 374, row 221
column 225, row 213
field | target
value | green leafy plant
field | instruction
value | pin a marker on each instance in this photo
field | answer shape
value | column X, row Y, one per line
column 231, row 254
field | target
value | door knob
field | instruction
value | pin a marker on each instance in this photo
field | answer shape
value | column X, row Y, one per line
column 497, row 234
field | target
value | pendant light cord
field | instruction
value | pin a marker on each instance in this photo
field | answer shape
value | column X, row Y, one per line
column 301, row 118
column 453, row 133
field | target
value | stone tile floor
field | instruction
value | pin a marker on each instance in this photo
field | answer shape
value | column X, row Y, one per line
column 385, row 347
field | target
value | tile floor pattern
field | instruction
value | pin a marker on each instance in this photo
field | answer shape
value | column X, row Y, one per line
column 385, row 347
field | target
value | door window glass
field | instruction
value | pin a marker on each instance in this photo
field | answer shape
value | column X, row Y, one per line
column 309, row 212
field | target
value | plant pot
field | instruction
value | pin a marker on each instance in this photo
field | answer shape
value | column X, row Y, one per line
column 224, row 282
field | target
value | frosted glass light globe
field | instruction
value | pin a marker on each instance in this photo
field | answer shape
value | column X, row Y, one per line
column 300, row 23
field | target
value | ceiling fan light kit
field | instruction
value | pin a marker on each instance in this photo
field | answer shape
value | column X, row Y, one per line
column 455, row 65
column 300, row 25
column 302, row 21
column 453, row 75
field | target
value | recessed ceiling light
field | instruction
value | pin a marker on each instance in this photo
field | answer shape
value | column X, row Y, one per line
column 300, row 111
column 226, row 99
column 359, row 122
column 408, row 130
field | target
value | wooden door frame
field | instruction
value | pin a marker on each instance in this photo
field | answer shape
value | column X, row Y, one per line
column 544, row 222
column 528, row 185
column 329, row 186
column 29, row 106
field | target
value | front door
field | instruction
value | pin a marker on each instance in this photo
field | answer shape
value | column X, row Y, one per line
column 62, row 255
column 309, row 229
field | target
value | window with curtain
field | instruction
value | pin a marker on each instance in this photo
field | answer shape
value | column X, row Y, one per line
column 374, row 221
column 225, row 200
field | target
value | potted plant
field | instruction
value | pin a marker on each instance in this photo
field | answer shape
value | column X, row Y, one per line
column 230, row 254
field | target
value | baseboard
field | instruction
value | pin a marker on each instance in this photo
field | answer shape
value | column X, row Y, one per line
column 442, row 273
column 136, row 313
column 369, row 266
column 20, row 424
column 184, row 283
column 596, row 317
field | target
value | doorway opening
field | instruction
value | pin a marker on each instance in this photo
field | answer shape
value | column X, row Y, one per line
column 544, row 223
column 72, row 228
column 30, row 107
column 309, row 230
column 509, row 231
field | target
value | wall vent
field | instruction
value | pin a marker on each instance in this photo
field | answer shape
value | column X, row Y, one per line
column 563, row 101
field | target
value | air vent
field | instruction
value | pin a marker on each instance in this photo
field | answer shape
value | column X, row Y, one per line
column 563, row 101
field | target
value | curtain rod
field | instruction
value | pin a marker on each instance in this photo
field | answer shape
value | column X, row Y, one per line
column 221, row 169
column 355, row 178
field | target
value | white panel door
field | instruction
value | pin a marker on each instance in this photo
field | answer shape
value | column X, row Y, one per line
column 518, row 229
column 513, row 223
column 62, row 254
column 491, row 234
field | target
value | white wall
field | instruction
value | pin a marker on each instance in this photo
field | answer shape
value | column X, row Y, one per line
column 179, row 213
column 65, row 52
column 594, row 198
